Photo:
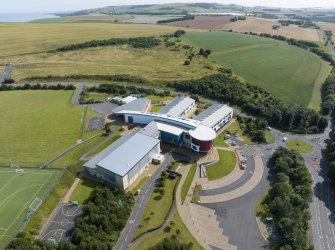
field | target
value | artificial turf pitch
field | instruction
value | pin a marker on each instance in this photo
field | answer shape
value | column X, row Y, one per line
column 17, row 192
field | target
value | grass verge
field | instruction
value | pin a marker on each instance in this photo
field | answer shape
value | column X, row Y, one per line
column 176, row 228
column 223, row 167
column 83, row 190
column 188, row 181
column 196, row 197
column 269, row 137
column 235, row 129
column 157, row 209
column 299, row 145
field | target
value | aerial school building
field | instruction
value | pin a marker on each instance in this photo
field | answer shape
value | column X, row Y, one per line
column 123, row 162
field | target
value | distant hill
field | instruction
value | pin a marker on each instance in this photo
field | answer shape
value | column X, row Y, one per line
column 159, row 9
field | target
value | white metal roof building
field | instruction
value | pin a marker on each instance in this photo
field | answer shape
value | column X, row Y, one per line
column 216, row 116
column 180, row 106
column 123, row 161
column 140, row 104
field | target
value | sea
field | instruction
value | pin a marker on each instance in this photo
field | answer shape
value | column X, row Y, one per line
column 23, row 17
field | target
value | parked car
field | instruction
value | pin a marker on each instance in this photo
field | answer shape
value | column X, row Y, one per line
column 232, row 143
column 269, row 128
column 284, row 139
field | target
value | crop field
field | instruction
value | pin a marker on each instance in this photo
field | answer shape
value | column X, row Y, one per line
column 261, row 25
column 288, row 72
column 156, row 64
column 17, row 193
column 22, row 38
column 37, row 125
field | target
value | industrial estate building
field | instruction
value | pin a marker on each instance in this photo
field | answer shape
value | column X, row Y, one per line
column 123, row 161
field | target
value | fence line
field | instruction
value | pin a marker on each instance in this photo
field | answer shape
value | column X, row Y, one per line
column 45, row 195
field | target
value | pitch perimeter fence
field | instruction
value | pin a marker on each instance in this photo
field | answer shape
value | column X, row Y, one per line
column 45, row 195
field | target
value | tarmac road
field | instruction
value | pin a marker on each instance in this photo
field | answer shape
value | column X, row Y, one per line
column 8, row 70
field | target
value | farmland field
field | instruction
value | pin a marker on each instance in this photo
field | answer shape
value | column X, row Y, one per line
column 37, row 125
column 156, row 64
column 17, row 193
column 288, row 72
column 22, row 38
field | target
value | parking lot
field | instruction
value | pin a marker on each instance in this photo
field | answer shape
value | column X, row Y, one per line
column 61, row 227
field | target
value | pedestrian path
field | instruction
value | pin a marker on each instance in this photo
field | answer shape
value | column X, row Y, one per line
column 201, row 222
column 250, row 150
column 244, row 189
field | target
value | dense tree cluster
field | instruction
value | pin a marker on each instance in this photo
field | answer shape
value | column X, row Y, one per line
column 114, row 78
column 139, row 42
column 254, row 128
column 255, row 101
column 287, row 22
column 184, row 18
column 99, row 227
column 328, row 94
column 179, row 33
column 205, row 53
column 38, row 86
column 288, row 199
column 330, row 154
column 238, row 18
column 172, row 243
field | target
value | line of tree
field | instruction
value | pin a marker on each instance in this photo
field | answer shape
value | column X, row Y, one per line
column 138, row 42
column 113, row 78
column 255, row 101
column 289, row 21
column 184, row 18
column 328, row 94
column 38, row 86
column 99, row 227
column 119, row 90
column 288, row 199
column 330, row 156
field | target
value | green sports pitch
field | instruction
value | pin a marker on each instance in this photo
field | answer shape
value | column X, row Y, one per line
column 18, row 195
column 292, row 74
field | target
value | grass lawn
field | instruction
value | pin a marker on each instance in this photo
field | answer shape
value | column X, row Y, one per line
column 288, row 72
column 83, row 190
column 270, row 138
column 219, row 141
column 37, row 125
column 196, row 197
column 17, row 193
column 160, row 98
column 299, row 145
column 22, row 38
column 107, row 143
column 188, row 181
column 176, row 224
column 156, row 108
column 223, row 167
column 140, row 184
column 235, row 128
column 156, row 209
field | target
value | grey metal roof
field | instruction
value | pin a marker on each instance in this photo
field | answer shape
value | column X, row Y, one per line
column 177, row 106
column 139, row 104
column 121, row 160
column 98, row 157
column 150, row 130
column 213, row 114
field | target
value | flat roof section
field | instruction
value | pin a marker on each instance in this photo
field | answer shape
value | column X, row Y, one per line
column 203, row 133
column 139, row 104
column 213, row 114
column 128, row 154
column 177, row 106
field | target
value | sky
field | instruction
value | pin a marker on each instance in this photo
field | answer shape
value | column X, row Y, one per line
column 47, row 6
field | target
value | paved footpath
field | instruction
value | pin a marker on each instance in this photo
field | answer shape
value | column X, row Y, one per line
column 246, row 188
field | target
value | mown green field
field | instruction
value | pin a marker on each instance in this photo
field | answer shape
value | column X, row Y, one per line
column 17, row 193
column 288, row 72
column 37, row 125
